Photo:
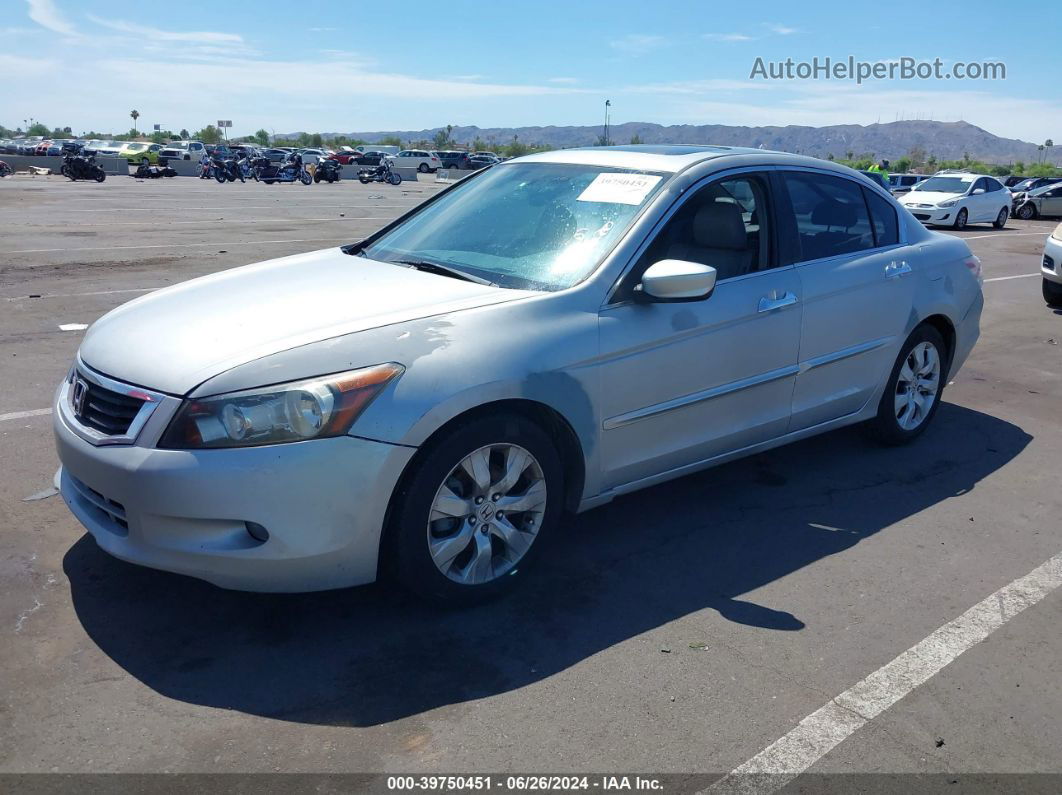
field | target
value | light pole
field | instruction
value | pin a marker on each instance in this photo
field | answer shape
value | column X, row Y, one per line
column 608, row 104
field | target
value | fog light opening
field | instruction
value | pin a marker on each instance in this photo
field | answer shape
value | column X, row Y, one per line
column 257, row 532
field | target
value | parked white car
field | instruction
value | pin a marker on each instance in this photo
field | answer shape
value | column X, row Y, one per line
column 1052, row 268
column 419, row 159
column 958, row 199
column 183, row 150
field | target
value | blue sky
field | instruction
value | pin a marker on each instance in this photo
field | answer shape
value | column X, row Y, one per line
column 337, row 66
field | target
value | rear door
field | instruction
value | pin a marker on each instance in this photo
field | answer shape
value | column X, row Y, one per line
column 858, row 291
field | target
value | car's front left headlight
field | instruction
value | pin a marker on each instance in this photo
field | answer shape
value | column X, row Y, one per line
column 948, row 203
column 313, row 408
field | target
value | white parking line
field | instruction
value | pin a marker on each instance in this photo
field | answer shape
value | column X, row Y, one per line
column 214, row 221
column 182, row 245
column 1007, row 234
column 169, row 208
column 1008, row 278
column 19, row 415
column 827, row 727
column 82, row 295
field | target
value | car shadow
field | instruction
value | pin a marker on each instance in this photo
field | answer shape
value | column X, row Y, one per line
column 367, row 656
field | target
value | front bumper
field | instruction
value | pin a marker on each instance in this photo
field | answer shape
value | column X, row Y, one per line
column 1051, row 264
column 933, row 215
column 323, row 503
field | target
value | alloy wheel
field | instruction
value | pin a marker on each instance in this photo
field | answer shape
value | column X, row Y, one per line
column 486, row 514
column 917, row 386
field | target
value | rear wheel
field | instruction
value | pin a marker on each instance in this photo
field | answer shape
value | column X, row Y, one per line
column 219, row 175
column 474, row 508
column 423, row 168
column 1001, row 219
column 912, row 393
column 1052, row 293
column 363, row 179
column 67, row 172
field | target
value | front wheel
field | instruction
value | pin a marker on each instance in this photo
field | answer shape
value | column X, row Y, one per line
column 912, row 393
column 100, row 175
column 1001, row 219
column 306, row 178
column 68, row 172
column 394, row 178
column 1027, row 212
column 1052, row 293
column 474, row 509
column 961, row 219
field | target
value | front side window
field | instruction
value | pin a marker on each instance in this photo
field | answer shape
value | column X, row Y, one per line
column 542, row 226
column 831, row 215
column 724, row 224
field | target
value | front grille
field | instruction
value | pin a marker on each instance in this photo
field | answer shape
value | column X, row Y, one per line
column 111, row 512
column 1049, row 263
column 106, row 411
column 921, row 216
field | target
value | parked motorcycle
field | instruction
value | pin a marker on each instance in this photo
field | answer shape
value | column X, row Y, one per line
column 328, row 170
column 291, row 170
column 5, row 169
column 228, row 169
column 385, row 172
column 77, row 165
column 144, row 171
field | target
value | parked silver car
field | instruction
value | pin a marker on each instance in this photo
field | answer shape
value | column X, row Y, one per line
column 541, row 337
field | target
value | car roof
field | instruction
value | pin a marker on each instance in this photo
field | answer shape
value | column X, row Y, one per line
column 673, row 157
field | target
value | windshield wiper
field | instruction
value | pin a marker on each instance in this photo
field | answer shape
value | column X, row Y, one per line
column 443, row 270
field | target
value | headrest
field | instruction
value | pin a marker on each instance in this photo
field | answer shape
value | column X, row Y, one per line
column 720, row 225
column 830, row 212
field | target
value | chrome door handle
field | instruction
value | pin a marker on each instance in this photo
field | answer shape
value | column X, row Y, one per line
column 771, row 302
column 897, row 268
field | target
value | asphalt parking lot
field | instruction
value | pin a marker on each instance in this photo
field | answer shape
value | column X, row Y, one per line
column 683, row 629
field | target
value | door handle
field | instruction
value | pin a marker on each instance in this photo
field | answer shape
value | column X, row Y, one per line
column 773, row 301
column 897, row 268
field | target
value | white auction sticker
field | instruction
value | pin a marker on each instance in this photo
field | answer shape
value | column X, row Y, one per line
column 619, row 188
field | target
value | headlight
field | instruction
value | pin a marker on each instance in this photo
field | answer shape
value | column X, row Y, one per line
column 315, row 408
column 948, row 203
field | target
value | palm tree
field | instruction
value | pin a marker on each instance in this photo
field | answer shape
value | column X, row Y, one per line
column 134, row 115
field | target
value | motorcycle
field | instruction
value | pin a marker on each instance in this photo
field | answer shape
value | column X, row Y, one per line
column 77, row 165
column 327, row 170
column 5, row 169
column 144, row 171
column 291, row 170
column 385, row 172
column 229, row 169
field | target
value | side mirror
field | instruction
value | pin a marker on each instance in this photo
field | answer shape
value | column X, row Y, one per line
column 671, row 280
column 977, row 191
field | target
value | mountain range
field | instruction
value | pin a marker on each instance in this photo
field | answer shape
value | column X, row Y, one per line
column 891, row 140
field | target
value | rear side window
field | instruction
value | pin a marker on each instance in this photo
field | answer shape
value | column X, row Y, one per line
column 883, row 217
column 831, row 215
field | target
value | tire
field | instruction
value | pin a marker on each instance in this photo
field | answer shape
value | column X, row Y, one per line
column 306, row 178
column 899, row 421
column 363, row 180
column 394, row 178
column 1001, row 219
column 268, row 181
column 495, row 440
column 423, row 168
column 960, row 219
column 67, row 172
column 1052, row 294
column 316, row 177
column 100, row 175
column 1027, row 211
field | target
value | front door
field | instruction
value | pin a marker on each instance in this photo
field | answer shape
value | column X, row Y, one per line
column 685, row 382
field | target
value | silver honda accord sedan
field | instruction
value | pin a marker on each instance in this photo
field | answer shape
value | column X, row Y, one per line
column 543, row 336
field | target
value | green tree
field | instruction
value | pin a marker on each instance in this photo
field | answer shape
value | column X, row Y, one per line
column 1019, row 167
column 902, row 165
column 185, row 135
column 209, row 135
column 441, row 139
column 134, row 115
column 38, row 129
column 316, row 140
column 390, row 140
column 262, row 137
column 636, row 140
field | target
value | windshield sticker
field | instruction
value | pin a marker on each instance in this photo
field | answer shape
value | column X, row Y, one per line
column 619, row 188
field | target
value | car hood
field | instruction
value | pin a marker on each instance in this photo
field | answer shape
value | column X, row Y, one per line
column 929, row 197
column 174, row 339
